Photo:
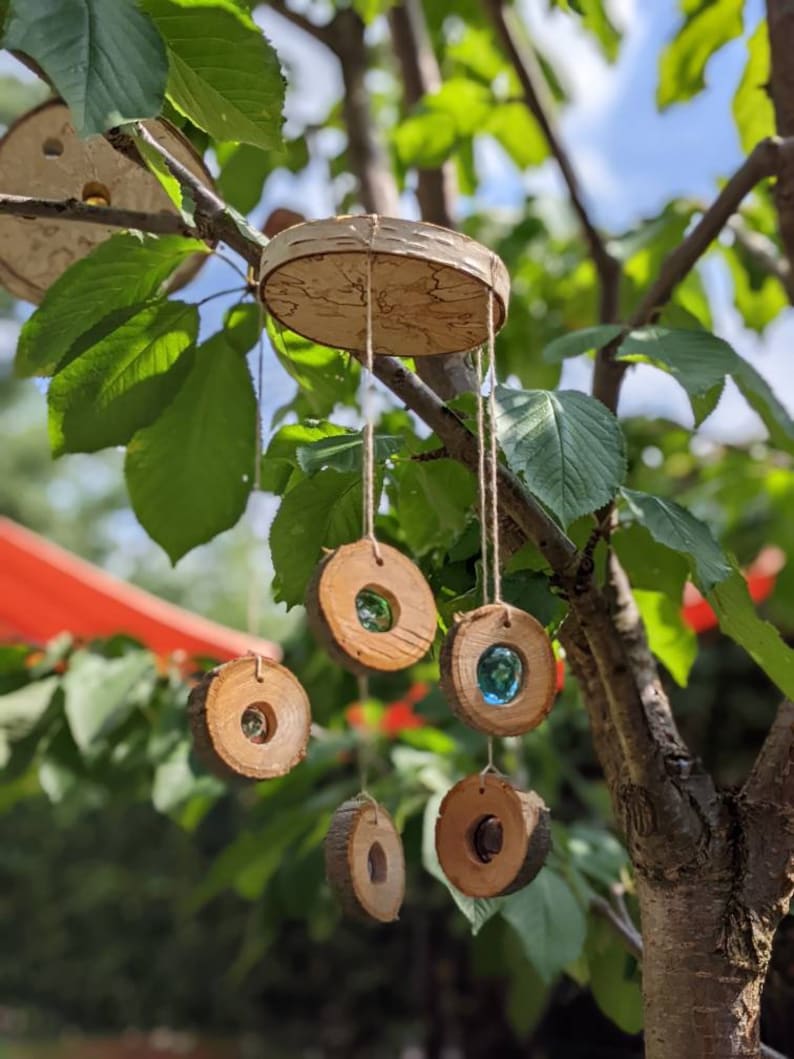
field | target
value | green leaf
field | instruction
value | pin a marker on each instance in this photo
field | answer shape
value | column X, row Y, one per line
column 123, row 271
column 21, row 709
column 759, row 395
column 650, row 565
column 577, row 342
column 434, row 500
column 99, row 692
column 758, row 296
column 104, row 57
column 596, row 19
column 123, row 381
column 223, row 74
column 738, row 619
column 704, row 404
column 615, row 980
column 669, row 637
column 323, row 511
column 189, row 473
column 549, row 922
column 672, row 525
column 478, row 910
column 370, row 9
column 325, row 376
column 512, row 125
column 683, row 62
column 567, row 446
column 342, row 452
column 752, row 108
column 280, row 462
column 698, row 360
column 176, row 780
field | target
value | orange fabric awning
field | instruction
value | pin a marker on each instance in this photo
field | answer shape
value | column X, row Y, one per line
column 46, row 590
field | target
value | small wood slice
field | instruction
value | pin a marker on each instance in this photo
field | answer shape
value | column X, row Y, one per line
column 491, row 838
column 41, row 155
column 429, row 285
column 247, row 727
column 498, row 624
column 364, row 861
column 333, row 617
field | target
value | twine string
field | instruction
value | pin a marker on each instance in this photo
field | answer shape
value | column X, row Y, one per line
column 493, row 463
column 490, row 767
column 254, row 601
column 481, row 480
column 367, row 395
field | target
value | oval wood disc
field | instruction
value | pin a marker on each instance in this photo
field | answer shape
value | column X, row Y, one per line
column 274, row 710
column 333, row 618
column 491, row 838
column 41, row 155
column 429, row 285
column 364, row 861
column 489, row 626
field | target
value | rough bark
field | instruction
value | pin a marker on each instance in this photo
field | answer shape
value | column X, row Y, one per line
column 780, row 14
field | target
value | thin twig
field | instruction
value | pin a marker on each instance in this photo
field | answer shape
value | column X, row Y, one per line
column 112, row 216
column 322, row 33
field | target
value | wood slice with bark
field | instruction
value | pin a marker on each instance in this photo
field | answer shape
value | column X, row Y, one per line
column 491, row 838
column 430, row 285
column 464, row 652
column 364, row 861
column 250, row 717
column 41, row 155
column 333, row 611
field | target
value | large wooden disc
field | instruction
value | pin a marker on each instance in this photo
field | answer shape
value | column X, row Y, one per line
column 249, row 726
column 430, row 285
column 42, row 156
column 333, row 617
column 491, row 838
column 473, row 634
column 364, row 861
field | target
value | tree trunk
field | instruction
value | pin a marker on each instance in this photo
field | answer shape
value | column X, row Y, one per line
column 702, row 1001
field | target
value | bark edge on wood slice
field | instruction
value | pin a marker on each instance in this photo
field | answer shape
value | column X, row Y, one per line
column 364, row 861
column 275, row 711
column 491, row 838
column 472, row 634
column 42, row 156
column 430, row 285
column 333, row 616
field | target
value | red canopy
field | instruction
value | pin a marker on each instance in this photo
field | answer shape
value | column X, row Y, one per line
column 45, row 590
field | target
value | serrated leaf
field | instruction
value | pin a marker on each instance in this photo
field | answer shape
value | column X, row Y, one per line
column 752, row 107
column 698, row 360
column 759, row 395
column 105, row 57
column 124, row 381
column 669, row 637
column 478, row 910
column 704, row 404
column 568, row 448
column 99, row 692
column 683, row 62
column 674, row 526
column 223, row 73
column 575, row 343
column 190, row 472
column 549, row 921
column 325, row 376
column 323, row 511
column 343, row 452
column 125, row 270
column 738, row 619
column 280, row 462
column 434, row 499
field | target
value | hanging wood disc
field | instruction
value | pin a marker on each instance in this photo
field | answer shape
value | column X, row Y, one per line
column 42, row 156
column 429, row 285
column 248, row 726
column 491, row 838
column 364, row 860
column 498, row 671
column 370, row 614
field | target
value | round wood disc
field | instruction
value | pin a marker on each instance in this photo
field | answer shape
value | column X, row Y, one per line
column 364, row 860
column 244, row 726
column 429, row 285
column 333, row 615
column 498, row 624
column 491, row 838
column 42, row 156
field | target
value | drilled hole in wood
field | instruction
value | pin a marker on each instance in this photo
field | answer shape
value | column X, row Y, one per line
column 52, row 147
column 258, row 723
column 487, row 838
column 95, row 194
column 376, row 863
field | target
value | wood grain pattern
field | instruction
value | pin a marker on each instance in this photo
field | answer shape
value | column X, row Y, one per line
column 364, row 861
column 525, row 836
column 332, row 615
column 475, row 632
column 216, row 706
column 41, row 155
column 429, row 285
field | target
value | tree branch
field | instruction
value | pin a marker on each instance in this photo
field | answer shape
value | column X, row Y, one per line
column 320, row 32
column 764, row 253
column 780, row 17
column 112, row 216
